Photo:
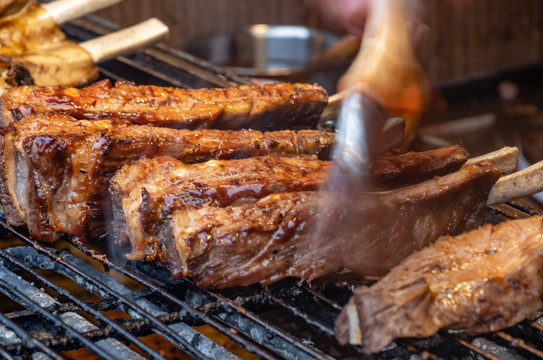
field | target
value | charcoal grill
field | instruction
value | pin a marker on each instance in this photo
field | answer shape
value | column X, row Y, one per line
column 84, row 295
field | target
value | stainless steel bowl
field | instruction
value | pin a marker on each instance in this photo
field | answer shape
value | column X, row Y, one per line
column 275, row 52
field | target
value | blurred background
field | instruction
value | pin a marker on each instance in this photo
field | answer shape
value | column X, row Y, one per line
column 481, row 37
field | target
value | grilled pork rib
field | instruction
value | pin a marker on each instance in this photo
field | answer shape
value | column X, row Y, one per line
column 480, row 281
column 267, row 240
column 150, row 190
column 273, row 106
column 55, row 171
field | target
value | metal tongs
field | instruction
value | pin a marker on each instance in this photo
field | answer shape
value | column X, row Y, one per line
column 384, row 80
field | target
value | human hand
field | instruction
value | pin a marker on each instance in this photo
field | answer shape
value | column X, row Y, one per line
column 350, row 15
column 342, row 15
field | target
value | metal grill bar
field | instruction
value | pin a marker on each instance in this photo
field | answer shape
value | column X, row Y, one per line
column 82, row 305
column 160, row 65
column 13, row 289
column 232, row 315
column 231, row 312
column 22, row 334
column 156, row 288
column 87, row 276
column 106, row 287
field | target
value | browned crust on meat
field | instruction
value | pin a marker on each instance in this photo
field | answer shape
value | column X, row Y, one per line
column 479, row 281
column 415, row 167
column 266, row 107
column 74, row 160
column 149, row 191
column 28, row 30
column 272, row 238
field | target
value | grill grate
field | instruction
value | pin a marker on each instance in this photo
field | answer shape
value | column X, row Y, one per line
column 77, row 295
column 287, row 320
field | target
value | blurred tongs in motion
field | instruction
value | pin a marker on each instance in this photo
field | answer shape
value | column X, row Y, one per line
column 385, row 80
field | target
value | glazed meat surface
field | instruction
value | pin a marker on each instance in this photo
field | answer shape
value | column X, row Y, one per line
column 479, row 281
column 412, row 167
column 55, row 171
column 270, row 239
column 397, row 222
column 266, row 107
column 150, row 190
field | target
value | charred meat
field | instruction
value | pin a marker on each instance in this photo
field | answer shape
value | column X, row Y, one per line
column 271, row 238
column 55, row 171
column 273, row 106
column 479, row 281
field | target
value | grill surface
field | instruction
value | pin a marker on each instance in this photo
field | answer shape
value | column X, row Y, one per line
column 74, row 295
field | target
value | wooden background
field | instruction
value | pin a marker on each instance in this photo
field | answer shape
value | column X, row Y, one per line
column 484, row 36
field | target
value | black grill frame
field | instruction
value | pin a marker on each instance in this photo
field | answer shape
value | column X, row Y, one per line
column 287, row 320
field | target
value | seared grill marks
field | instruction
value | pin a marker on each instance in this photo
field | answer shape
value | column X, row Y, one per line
column 55, row 171
column 226, row 208
column 267, row 107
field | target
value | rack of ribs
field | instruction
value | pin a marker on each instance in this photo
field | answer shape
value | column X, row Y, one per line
column 480, row 281
column 270, row 238
column 158, row 187
column 170, row 185
column 271, row 106
column 55, row 171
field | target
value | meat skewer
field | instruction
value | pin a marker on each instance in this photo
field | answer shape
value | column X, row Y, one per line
column 148, row 183
column 273, row 106
column 506, row 159
column 522, row 183
column 480, row 281
column 62, row 11
column 72, row 161
column 36, row 26
column 139, row 189
column 70, row 64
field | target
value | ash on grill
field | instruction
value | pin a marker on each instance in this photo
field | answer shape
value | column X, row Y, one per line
column 44, row 318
